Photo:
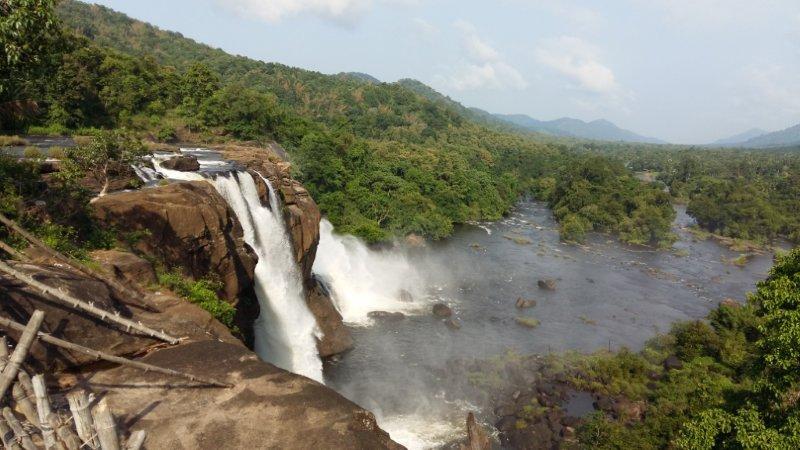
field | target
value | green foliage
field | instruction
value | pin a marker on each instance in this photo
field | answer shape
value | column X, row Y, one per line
column 739, row 386
column 109, row 150
column 203, row 293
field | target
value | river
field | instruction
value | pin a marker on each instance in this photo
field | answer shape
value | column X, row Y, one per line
column 608, row 295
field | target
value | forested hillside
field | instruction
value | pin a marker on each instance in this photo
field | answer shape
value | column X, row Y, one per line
column 380, row 159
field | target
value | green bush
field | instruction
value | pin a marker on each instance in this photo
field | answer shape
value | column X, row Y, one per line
column 201, row 292
column 32, row 152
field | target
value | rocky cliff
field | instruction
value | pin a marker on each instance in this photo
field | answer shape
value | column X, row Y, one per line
column 188, row 225
column 267, row 407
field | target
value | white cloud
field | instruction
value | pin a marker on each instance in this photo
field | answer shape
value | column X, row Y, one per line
column 483, row 65
column 722, row 12
column 342, row 12
column 580, row 63
column 767, row 91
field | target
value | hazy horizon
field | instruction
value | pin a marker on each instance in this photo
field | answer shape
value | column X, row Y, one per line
column 683, row 71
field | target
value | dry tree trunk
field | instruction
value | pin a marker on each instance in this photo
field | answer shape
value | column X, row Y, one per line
column 24, row 405
column 7, row 436
column 111, row 358
column 13, row 252
column 136, row 440
column 105, row 426
column 43, row 409
column 79, row 405
column 128, row 295
column 64, row 432
column 102, row 314
column 20, row 352
column 22, row 436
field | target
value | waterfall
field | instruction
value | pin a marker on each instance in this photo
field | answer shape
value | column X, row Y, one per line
column 285, row 330
column 364, row 280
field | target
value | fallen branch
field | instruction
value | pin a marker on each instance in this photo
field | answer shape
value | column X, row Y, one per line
column 105, row 426
column 128, row 295
column 13, row 252
column 20, row 352
column 102, row 314
column 111, row 358
column 43, row 410
column 22, row 436
column 82, row 416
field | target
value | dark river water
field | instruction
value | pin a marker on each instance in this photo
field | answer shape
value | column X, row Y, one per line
column 607, row 294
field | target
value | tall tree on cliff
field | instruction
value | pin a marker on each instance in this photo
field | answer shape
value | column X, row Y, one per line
column 30, row 43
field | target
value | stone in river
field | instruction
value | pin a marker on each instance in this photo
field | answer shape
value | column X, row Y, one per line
column 442, row 310
column 547, row 284
column 522, row 303
column 182, row 163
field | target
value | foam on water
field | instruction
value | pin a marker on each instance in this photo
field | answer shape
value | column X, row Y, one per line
column 364, row 280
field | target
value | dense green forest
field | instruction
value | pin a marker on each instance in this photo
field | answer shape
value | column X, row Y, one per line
column 734, row 384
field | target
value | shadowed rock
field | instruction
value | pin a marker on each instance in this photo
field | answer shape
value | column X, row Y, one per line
column 183, row 163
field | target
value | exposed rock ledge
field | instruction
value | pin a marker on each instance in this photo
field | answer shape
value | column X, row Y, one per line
column 267, row 408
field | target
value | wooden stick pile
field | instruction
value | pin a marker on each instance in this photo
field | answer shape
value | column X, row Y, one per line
column 29, row 421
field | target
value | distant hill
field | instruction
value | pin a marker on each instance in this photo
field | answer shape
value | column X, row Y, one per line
column 740, row 138
column 783, row 138
column 360, row 76
column 597, row 129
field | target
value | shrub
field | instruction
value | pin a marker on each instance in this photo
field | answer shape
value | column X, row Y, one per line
column 8, row 141
column 56, row 152
column 32, row 152
column 201, row 292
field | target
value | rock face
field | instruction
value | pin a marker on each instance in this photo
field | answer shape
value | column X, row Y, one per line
column 477, row 439
column 336, row 337
column 183, row 163
column 126, row 266
column 186, row 225
column 267, row 407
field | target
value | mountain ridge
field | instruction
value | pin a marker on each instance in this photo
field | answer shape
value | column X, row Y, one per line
column 600, row 129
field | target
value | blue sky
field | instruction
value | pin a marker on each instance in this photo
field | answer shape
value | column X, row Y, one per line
column 687, row 71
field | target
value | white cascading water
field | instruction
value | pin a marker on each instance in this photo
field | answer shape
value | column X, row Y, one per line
column 364, row 280
column 285, row 330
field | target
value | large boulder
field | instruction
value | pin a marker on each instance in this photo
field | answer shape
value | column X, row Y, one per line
column 266, row 408
column 185, row 225
column 182, row 163
column 336, row 336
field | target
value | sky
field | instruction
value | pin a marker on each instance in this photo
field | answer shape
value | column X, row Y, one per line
column 686, row 71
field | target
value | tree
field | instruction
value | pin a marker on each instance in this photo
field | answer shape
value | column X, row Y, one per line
column 106, row 154
column 198, row 84
column 29, row 48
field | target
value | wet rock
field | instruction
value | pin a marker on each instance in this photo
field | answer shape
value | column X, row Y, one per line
column 336, row 336
column 506, row 423
column 548, row 284
column 442, row 310
column 522, row 303
column 182, row 163
column 672, row 362
column 187, row 225
column 477, row 438
column 453, row 324
column 406, row 296
column 126, row 266
column 386, row 315
column 507, row 409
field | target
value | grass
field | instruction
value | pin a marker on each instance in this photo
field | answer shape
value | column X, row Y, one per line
column 528, row 322
column 9, row 141
column 202, row 293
